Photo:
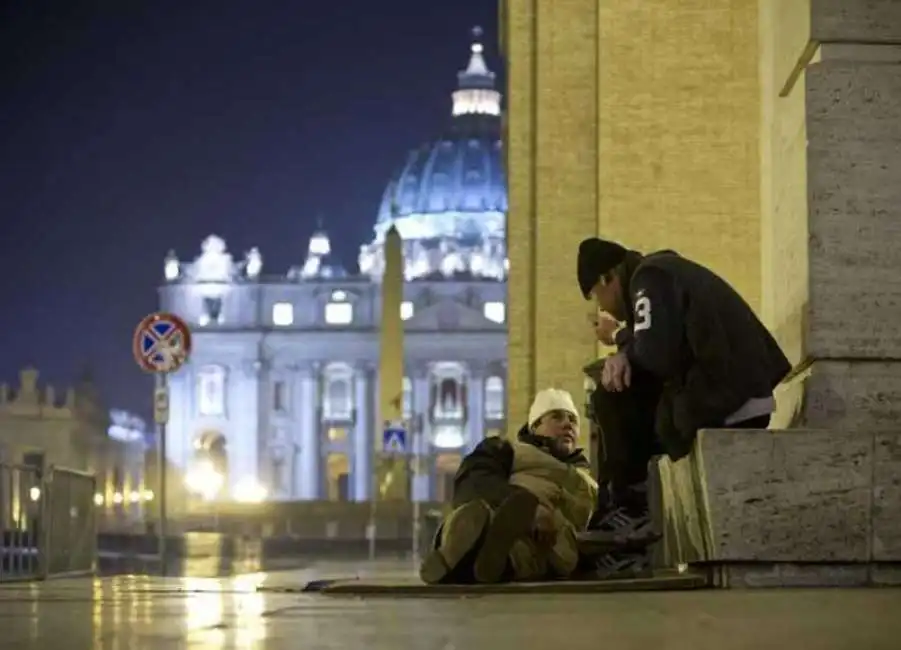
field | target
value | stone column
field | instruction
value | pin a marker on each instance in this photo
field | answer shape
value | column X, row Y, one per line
column 551, row 147
column 424, row 479
column 180, row 443
column 244, row 412
column 308, row 477
column 261, row 467
column 475, row 394
column 832, row 196
column 363, row 442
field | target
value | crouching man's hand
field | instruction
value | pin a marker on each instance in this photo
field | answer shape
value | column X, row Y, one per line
column 617, row 373
column 543, row 530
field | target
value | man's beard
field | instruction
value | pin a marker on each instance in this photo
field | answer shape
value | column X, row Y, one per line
column 559, row 448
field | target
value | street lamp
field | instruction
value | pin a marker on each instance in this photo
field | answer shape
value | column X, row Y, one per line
column 204, row 481
column 248, row 490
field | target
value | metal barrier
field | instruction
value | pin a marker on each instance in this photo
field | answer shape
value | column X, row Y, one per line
column 47, row 522
column 70, row 541
column 20, row 522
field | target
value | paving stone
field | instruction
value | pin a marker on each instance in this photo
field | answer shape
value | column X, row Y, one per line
column 142, row 612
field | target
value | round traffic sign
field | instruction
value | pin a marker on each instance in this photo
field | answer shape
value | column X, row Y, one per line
column 162, row 343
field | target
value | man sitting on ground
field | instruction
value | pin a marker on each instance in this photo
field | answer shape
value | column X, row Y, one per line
column 691, row 355
column 518, row 504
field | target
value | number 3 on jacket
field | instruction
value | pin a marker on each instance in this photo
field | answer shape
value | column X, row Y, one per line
column 642, row 314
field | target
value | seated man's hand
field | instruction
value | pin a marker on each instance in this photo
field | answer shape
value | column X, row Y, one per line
column 617, row 374
column 543, row 530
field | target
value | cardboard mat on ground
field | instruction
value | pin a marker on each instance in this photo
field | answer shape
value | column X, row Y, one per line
column 413, row 587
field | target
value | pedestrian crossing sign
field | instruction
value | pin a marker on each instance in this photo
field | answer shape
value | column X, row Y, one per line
column 394, row 439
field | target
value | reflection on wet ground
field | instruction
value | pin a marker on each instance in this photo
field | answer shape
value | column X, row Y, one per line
column 198, row 567
column 255, row 611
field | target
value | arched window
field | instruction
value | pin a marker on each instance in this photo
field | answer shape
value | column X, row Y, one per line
column 211, row 391
column 448, row 392
column 494, row 398
column 338, row 398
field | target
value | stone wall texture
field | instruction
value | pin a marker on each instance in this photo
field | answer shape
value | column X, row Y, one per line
column 635, row 121
column 871, row 21
column 831, row 161
column 679, row 128
column 854, row 176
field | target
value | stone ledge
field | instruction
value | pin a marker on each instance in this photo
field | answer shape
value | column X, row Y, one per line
column 754, row 504
column 873, row 21
column 768, row 575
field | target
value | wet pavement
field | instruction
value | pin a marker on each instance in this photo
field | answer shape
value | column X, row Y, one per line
column 258, row 611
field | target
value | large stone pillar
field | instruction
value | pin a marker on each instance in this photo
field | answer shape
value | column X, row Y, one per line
column 308, row 478
column 362, row 472
column 831, row 189
column 552, row 168
column 830, row 149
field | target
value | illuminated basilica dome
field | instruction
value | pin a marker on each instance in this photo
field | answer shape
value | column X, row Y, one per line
column 449, row 199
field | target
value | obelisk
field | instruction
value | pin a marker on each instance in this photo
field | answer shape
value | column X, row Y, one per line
column 391, row 481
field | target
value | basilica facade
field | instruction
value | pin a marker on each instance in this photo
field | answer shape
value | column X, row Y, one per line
column 279, row 396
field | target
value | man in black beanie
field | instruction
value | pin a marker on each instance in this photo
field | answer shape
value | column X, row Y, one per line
column 691, row 354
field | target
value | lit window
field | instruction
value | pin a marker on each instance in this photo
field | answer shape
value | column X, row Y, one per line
column 211, row 391
column 283, row 314
column 406, row 310
column 336, row 434
column 495, row 311
column 339, row 313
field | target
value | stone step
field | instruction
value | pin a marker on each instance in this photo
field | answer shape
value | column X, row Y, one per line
column 783, row 508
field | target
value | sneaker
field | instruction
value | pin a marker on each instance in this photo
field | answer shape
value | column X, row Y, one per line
column 513, row 519
column 458, row 537
column 622, row 566
column 620, row 528
column 624, row 520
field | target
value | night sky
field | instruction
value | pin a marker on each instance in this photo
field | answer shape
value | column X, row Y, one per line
column 129, row 128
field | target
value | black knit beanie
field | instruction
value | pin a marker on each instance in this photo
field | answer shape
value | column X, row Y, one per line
column 597, row 257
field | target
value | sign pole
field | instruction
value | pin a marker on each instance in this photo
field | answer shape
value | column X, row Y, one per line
column 161, row 344
column 161, row 417
column 373, row 503
column 373, row 499
column 414, row 481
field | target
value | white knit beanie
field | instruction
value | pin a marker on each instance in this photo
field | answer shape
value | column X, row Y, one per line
column 551, row 399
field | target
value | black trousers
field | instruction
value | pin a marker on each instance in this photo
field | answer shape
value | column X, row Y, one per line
column 628, row 436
